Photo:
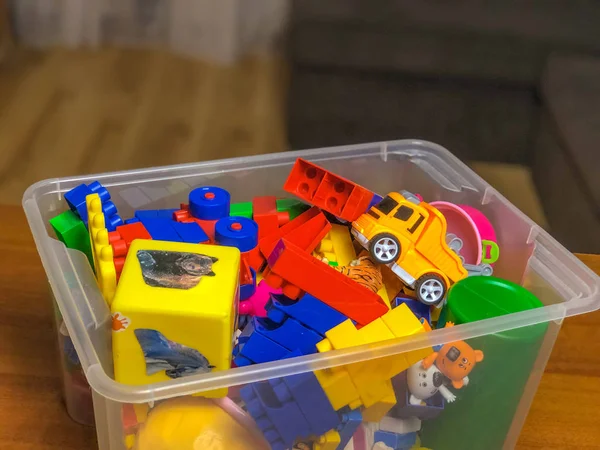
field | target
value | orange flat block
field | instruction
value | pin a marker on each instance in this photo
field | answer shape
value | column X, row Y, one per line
column 303, row 270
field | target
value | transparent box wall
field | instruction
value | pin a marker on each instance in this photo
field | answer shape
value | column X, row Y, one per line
column 489, row 411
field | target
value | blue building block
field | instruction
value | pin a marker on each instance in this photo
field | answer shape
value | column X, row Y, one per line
column 281, row 422
column 131, row 220
column 308, row 310
column 238, row 232
column 190, row 232
column 247, row 290
column 419, row 309
column 161, row 229
column 396, row 441
column 155, row 213
column 291, row 334
column 76, row 200
column 351, row 420
column 305, row 390
column 258, row 348
column 209, row 203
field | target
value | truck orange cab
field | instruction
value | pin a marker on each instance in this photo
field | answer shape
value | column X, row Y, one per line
column 409, row 235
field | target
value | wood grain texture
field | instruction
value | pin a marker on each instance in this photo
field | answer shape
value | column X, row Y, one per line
column 75, row 112
column 564, row 414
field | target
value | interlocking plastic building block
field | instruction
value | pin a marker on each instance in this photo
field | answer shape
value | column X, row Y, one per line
column 396, row 441
column 351, row 420
column 192, row 233
column 419, row 309
column 281, row 423
column 292, row 206
column 328, row 441
column 332, row 193
column 338, row 387
column 264, row 212
column 102, row 251
column 177, row 322
column 121, row 240
column 76, row 199
column 323, row 282
column 305, row 390
column 378, row 410
column 257, row 348
column 305, row 231
column 255, row 304
column 247, row 280
column 289, row 334
column 237, row 232
column 243, row 209
column 307, row 310
column 209, row 203
column 161, row 229
column 71, row 231
column 154, row 213
column 337, row 246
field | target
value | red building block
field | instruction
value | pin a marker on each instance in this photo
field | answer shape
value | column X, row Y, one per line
column 183, row 215
column 305, row 231
column 121, row 239
column 265, row 214
column 332, row 193
column 254, row 258
column 301, row 269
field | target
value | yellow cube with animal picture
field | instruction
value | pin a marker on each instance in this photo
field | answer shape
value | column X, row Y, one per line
column 175, row 312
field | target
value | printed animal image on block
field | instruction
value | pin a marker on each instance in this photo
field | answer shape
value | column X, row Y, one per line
column 175, row 311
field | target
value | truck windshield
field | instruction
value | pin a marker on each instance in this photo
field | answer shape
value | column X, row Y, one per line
column 386, row 205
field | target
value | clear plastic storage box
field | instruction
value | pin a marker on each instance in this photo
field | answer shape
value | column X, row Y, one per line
column 488, row 414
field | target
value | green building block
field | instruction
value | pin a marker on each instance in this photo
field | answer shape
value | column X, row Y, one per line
column 71, row 230
column 241, row 210
column 292, row 206
column 483, row 412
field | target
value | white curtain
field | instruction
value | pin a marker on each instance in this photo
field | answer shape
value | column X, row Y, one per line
column 220, row 30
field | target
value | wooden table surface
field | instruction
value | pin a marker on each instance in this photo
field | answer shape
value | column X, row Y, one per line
column 565, row 412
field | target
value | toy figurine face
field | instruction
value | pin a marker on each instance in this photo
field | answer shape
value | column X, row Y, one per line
column 456, row 360
column 423, row 383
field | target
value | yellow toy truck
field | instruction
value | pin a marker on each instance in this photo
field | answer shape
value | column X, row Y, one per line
column 409, row 236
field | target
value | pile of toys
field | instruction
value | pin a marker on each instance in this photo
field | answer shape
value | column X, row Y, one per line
column 212, row 285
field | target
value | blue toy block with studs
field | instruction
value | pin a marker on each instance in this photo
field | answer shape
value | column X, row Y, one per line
column 394, row 440
column 258, row 348
column 281, row 423
column 76, row 200
column 154, row 213
column 308, row 310
column 350, row 421
column 304, row 389
column 290, row 334
column 191, row 232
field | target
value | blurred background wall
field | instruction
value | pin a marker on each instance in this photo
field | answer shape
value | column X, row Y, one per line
column 512, row 87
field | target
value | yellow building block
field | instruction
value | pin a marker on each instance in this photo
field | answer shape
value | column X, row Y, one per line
column 175, row 311
column 102, row 251
column 372, row 378
column 377, row 411
column 328, row 441
column 338, row 388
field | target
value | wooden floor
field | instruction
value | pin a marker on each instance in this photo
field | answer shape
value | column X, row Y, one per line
column 77, row 112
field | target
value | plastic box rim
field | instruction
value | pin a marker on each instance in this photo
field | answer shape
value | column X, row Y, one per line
column 104, row 385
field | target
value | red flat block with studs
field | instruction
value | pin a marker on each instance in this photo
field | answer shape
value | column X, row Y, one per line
column 331, row 193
